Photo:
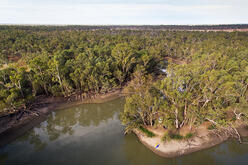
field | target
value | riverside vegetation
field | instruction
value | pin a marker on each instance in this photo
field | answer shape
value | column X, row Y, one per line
column 173, row 78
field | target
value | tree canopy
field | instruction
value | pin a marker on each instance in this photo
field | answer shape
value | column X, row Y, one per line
column 210, row 81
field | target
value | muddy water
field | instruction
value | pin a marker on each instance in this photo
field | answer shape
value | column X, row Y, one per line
column 91, row 134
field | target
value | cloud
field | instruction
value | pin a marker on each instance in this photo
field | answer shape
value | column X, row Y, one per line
column 118, row 13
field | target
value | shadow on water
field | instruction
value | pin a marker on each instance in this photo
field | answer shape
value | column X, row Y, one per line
column 92, row 134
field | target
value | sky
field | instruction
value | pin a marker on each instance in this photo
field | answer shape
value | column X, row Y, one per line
column 128, row 12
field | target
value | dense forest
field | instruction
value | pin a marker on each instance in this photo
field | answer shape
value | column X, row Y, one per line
column 125, row 27
column 172, row 77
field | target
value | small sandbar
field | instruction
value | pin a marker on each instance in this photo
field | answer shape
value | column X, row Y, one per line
column 202, row 139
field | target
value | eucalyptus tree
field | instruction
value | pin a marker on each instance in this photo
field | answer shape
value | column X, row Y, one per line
column 125, row 58
column 39, row 69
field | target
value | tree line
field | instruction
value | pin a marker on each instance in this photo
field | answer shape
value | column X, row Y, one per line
column 123, row 27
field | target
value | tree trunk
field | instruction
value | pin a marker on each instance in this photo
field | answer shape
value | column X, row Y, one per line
column 176, row 120
column 142, row 117
column 151, row 121
column 185, row 111
column 60, row 82
column 45, row 88
column 20, row 87
column 211, row 121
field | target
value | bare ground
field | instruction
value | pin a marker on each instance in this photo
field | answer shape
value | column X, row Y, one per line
column 202, row 139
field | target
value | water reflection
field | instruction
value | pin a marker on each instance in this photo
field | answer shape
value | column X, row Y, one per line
column 92, row 134
column 67, row 122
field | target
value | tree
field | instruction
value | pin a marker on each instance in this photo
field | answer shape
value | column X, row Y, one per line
column 41, row 77
column 144, row 103
column 124, row 57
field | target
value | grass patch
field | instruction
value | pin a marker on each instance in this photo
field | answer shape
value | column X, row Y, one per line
column 147, row 132
column 188, row 135
column 176, row 136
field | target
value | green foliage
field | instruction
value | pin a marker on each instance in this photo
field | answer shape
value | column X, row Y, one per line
column 166, row 137
column 147, row 132
column 142, row 106
column 176, row 136
column 45, row 61
column 202, row 90
column 189, row 135
column 169, row 136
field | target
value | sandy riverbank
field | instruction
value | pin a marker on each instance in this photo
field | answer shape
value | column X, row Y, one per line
column 202, row 139
column 14, row 125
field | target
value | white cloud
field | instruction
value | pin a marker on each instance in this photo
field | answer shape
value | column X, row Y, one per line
column 53, row 13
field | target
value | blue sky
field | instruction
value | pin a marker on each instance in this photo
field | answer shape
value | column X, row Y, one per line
column 137, row 12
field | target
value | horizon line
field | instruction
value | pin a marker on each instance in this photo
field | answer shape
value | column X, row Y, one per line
column 30, row 24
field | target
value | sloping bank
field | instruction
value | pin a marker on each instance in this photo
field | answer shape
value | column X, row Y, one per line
column 175, row 148
column 14, row 125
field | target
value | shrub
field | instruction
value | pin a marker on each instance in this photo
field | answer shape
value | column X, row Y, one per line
column 166, row 137
column 147, row 132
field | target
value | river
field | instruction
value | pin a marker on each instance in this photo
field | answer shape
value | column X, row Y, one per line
column 92, row 134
